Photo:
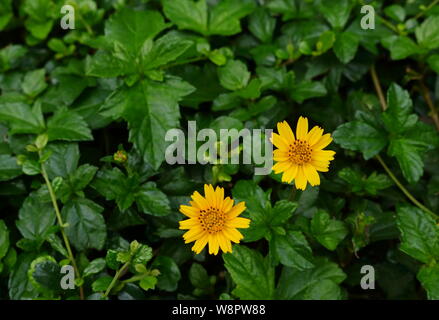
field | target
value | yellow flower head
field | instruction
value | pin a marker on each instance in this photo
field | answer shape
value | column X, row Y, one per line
column 300, row 157
column 213, row 220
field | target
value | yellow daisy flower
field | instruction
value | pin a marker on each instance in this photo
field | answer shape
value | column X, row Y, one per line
column 300, row 157
column 213, row 220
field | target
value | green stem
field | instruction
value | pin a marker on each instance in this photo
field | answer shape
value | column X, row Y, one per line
column 404, row 190
column 61, row 225
column 116, row 277
column 183, row 62
column 431, row 5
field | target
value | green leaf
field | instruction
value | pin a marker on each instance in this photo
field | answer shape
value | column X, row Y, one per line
column 132, row 28
column 4, row 239
column 361, row 184
column 360, row 136
column 105, row 65
column 101, row 284
column 427, row 33
column 224, row 17
column 410, row 161
column 252, row 273
column 400, row 47
column 86, row 226
column 6, row 13
column 63, row 159
column 429, row 278
column 142, row 255
column 318, row 283
column 151, row 200
column 95, row 266
column 345, row 46
column 35, row 218
column 262, row 25
column 34, row 82
column 397, row 116
column 306, row 90
column 169, row 273
column 148, row 282
column 20, row 288
column 166, row 49
column 234, row 75
column 152, row 109
column 68, row 125
column 46, row 272
column 9, row 169
column 336, row 12
column 21, row 118
column 327, row 231
column 396, row 12
column 419, row 233
column 187, row 14
column 198, row 276
column 292, row 250
column 433, row 61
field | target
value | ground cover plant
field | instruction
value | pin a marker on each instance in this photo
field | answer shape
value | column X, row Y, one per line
column 90, row 207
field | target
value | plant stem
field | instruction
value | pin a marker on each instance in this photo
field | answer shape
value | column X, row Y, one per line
column 61, row 225
column 404, row 190
column 386, row 168
column 116, row 277
column 377, row 84
column 431, row 5
column 183, row 62
column 433, row 111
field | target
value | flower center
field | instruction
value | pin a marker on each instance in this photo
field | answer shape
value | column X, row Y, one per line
column 212, row 220
column 299, row 152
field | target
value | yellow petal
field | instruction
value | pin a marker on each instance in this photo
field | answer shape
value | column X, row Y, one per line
column 314, row 135
column 278, row 141
column 233, row 234
column 281, row 166
column 300, row 180
column 200, row 200
column 200, row 244
column 219, row 192
column 223, row 242
column 227, row 204
column 188, row 211
column 189, row 223
column 290, row 174
column 210, row 195
column 213, row 244
column 302, row 128
column 193, row 234
column 311, row 174
column 322, row 142
column 285, row 131
column 323, row 155
column 320, row 165
column 236, row 210
column 238, row 223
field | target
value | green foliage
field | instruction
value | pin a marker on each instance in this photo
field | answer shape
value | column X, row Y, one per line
column 84, row 114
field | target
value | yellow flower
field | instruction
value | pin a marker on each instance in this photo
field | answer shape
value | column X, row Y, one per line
column 300, row 157
column 213, row 220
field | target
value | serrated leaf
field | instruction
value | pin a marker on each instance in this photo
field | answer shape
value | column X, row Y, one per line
column 419, row 233
column 151, row 200
column 9, row 169
column 360, row 136
column 327, row 231
column 292, row 250
column 68, row 125
column 252, row 273
column 86, row 225
column 234, row 75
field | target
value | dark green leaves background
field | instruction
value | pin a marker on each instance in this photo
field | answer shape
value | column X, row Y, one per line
column 92, row 106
